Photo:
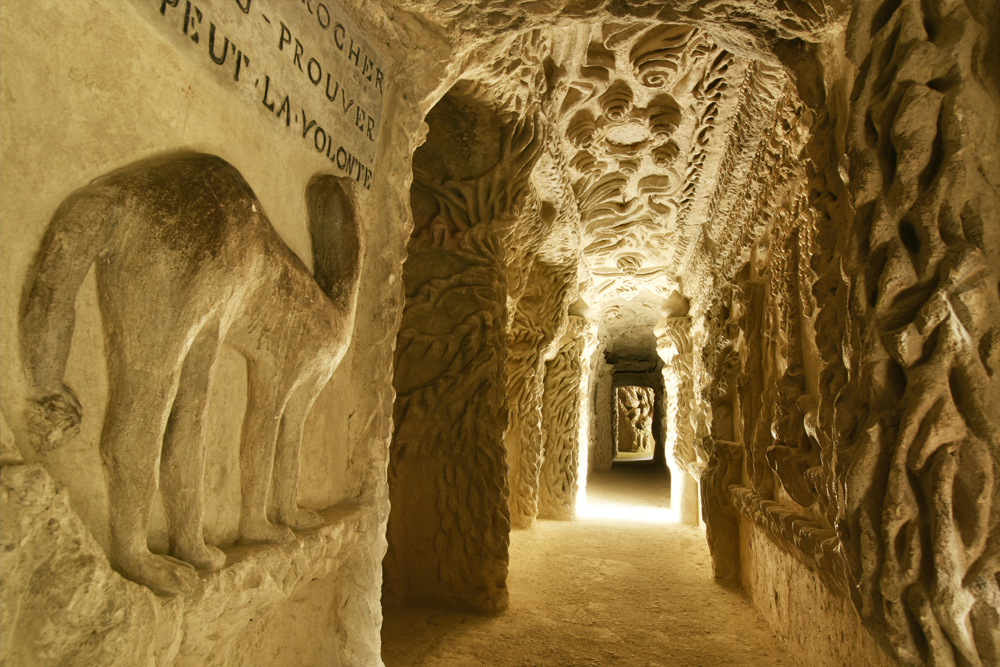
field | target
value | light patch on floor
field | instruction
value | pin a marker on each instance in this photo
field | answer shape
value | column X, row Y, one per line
column 608, row 591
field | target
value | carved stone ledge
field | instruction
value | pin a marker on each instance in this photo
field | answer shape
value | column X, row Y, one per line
column 61, row 603
column 806, row 540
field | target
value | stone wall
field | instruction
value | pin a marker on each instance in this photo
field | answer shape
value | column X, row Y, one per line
column 87, row 89
column 857, row 329
column 805, row 193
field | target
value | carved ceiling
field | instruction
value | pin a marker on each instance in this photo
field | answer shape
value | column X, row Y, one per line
column 664, row 133
column 664, row 145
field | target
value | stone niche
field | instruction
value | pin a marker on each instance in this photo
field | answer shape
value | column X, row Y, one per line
column 637, row 408
column 634, row 423
column 89, row 89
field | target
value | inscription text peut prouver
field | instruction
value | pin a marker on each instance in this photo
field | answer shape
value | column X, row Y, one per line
column 302, row 63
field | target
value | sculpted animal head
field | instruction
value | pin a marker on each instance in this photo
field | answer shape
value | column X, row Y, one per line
column 337, row 237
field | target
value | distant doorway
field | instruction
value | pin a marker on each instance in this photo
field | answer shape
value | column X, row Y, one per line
column 634, row 423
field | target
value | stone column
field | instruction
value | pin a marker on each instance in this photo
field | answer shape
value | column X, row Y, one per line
column 675, row 349
column 591, row 348
column 449, row 525
column 532, row 340
column 562, row 404
column 602, row 435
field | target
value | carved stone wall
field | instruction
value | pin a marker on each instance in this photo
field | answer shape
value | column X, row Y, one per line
column 919, row 447
column 564, row 453
column 89, row 88
column 856, row 342
column 806, row 193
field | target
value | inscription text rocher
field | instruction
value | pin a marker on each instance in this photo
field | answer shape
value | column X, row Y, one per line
column 305, row 64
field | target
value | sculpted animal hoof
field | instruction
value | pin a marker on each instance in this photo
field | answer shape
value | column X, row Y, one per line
column 52, row 419
column 202, row 557
column 162, row 574
column 267, row 532
column 301, row 519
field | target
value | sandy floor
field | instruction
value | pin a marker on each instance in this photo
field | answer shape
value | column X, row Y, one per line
column 598, row 591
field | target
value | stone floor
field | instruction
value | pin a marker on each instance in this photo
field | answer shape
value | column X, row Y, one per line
column 616, row 588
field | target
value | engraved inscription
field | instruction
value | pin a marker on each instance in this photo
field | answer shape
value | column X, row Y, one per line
column 304, row 64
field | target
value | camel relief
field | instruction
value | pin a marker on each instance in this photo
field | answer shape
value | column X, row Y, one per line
column 186, row 260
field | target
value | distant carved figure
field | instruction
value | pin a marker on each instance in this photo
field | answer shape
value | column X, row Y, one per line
column 186, row 259
column 635, row 420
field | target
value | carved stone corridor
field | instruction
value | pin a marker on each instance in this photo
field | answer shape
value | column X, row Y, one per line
column 619, row 589
column 316, row 315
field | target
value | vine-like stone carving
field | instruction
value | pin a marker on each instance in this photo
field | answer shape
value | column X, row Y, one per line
column 186, row 261
column 562, row 407
column 602, row 434
column 539, row 320
column 682, row 407
column 865, row 343
column 921, row 462
column 449, row 525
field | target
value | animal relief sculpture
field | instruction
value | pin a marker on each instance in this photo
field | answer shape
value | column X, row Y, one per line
column 186, row 260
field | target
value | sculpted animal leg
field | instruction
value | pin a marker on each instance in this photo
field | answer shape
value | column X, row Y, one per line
column 130, row 446
column 286, row 473
column 260, row 433
column 182, row 468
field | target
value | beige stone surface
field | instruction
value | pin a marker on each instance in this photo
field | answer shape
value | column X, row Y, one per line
column 782, row 217
column 63, row 604
column 817, row 626
column 88, row 88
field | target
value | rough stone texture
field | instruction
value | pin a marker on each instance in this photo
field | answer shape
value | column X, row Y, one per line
column 564, row 454
column 63, row 604
column 532, row 342
column 88, row 88
column 450, row 524
column 818, row 627
column 863, row 325
column 602, row 453
column 813, row 184
column 675, row 349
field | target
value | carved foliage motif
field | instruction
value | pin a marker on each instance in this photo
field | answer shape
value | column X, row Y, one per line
column 447, row 503
column 602, row 434
column 561, row 415
column 867, row 447
column 682, row 407
column 447, row 475
column 538, row 323
column 920, row 466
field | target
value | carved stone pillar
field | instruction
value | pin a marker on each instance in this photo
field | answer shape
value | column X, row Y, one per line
column 601, row 435
column 449, row 525
column 541, row 314
column 562, row 404
column 675, row 349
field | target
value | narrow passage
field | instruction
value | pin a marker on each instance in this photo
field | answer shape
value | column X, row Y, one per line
column 602, row 591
